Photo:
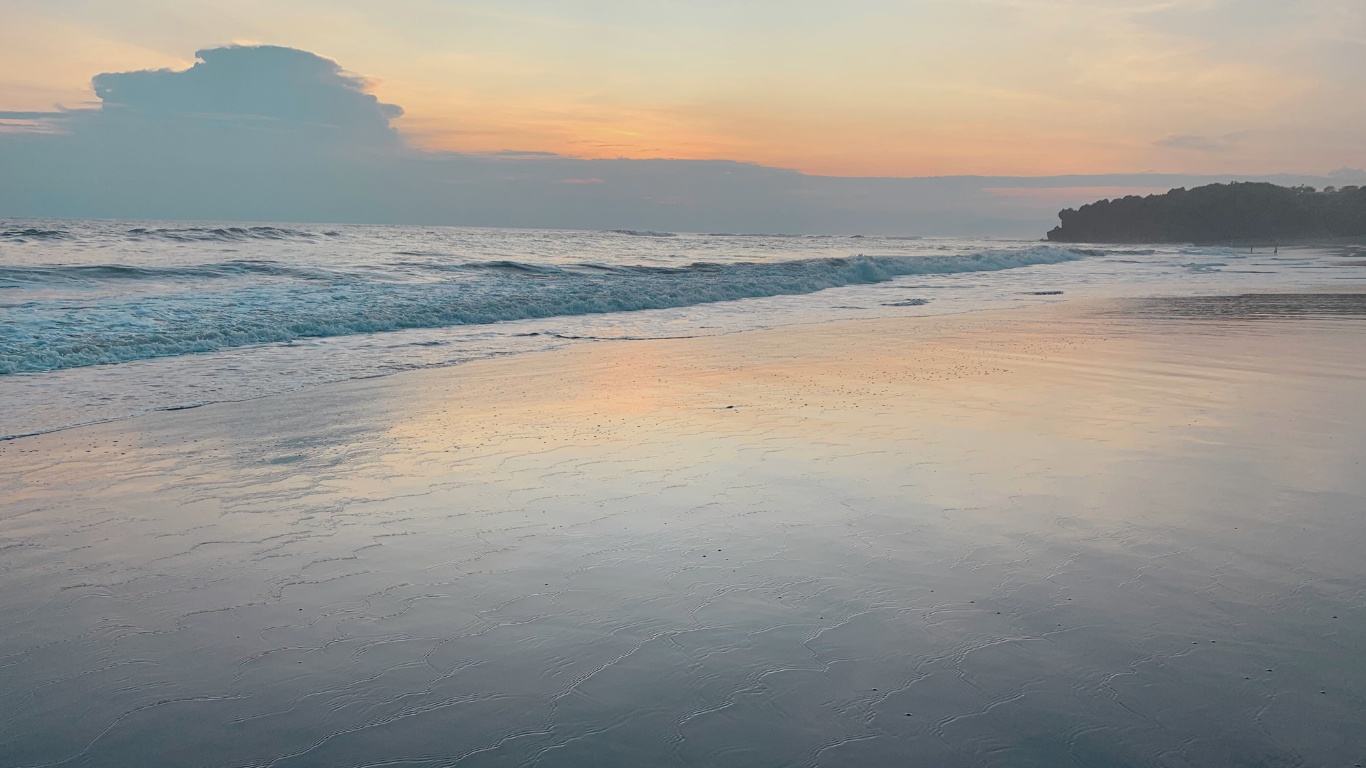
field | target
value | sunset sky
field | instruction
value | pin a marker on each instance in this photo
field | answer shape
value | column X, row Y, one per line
column 851, row 88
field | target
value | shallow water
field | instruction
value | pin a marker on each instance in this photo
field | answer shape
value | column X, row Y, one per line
column 1022, row 541
column 101, row 320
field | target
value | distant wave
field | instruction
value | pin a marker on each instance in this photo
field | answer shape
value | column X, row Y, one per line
column 122, row 328
column 25, row 234
column 173, row 234
column 89, row 273
column 641, row 233
column 223, row 234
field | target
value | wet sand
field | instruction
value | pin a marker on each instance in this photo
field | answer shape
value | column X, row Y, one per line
column 1086, row 534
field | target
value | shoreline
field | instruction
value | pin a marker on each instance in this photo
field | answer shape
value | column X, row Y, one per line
column 796, row 327
column 1043, row 306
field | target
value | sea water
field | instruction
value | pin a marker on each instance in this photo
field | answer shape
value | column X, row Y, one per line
column 101, row 320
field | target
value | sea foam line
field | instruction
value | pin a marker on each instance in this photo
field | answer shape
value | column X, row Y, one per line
column 44, row 336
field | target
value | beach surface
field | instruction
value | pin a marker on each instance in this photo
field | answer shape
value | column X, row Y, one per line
column 1122, row 532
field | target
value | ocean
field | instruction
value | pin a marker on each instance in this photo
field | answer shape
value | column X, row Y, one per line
column 102, row 320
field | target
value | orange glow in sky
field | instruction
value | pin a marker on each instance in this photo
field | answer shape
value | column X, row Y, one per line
column 859, row 88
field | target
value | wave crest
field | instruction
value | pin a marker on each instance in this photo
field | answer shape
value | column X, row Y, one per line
column 222, row 234
column 93, row 273
column 641, row 233
column 122, row 329
column 25, row 234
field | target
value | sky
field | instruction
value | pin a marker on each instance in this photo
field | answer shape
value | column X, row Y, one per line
column 796, row 115
column 849, row 88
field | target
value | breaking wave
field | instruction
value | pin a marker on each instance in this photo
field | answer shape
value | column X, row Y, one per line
column 315, row 303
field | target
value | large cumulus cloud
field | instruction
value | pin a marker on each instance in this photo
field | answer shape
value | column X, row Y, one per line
column 283, row 85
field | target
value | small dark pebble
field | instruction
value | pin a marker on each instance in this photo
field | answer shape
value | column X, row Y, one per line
column 908, row 714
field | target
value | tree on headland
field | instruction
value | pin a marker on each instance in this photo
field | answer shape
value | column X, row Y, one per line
column 1243, row 212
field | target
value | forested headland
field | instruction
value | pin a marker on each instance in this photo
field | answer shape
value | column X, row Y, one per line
column 1240, row 212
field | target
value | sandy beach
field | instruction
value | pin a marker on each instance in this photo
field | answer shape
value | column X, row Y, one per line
column 1090, row 533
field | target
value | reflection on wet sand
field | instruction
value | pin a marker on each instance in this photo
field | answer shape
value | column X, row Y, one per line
column 1252, row 306
column 1056, row 537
